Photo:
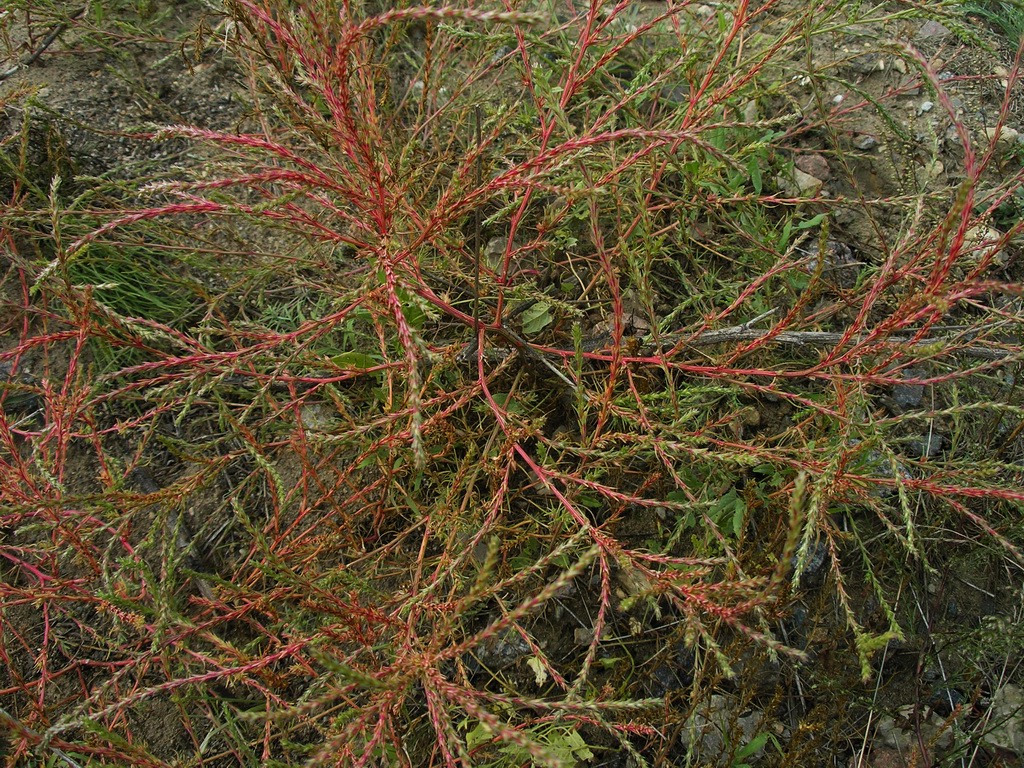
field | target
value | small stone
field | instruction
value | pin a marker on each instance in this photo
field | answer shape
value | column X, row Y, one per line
column 503, row 650
column 926, row 446
column 17, row 391
column 1005, row 136
column 807, row 184
column 981, row 243
column 1007, row 705
column 891, row 735
column 881, row 758
column 932, row 30
column 664, row 680
column 946, row 700
column 908, row 395
column 926, row 106
column 494, row 251
column 317, row 417
column 676, row 95
column 501, row 53
column 867, row 63
column 865, row 143
column 813, row 571
column 751, row 114
column 841, row 267
column 929, row 172
column 814, row 165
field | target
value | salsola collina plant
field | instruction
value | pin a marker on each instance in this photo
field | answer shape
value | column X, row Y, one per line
column 495, row 295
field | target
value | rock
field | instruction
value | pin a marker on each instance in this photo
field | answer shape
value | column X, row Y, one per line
column 494, row 251
column 499, row 652
column 1005, row 717
column 877, row 466
column 881, row 758
column 676, row 95
column 946, row 700
column 889, row 734
column 864, row 142
column 751, row 113
column 841, row 268
column 866, row 63
column 813, row 568
column 929, row 172
column 814, row 165
column 716, row 726
column 1002, row 137
column 317, row 417
column 17, row 391
column 806, row 184
column 684, row 663
column 932, row 30
column 664, row 680
column 926, row 446
column 910, row 395
column 981, row 243
column 925, row 107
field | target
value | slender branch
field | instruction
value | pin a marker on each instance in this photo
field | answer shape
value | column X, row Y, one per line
column 52, row 35
column 824, row 339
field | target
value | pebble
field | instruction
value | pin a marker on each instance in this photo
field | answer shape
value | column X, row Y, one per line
column 813, row 572
column 1005, row 715
column 841, row 269
column 865, row 143
column 929, row 172
column 664, row 680
column 926, row 446
column 981, row 242
column 867, row 63
column 18, row 397
column 807, row 184
column 814, row 165
column 926, row 106
column 946, row 700
column 1005, row 136
column 500, row 652
column 908, row 396
column 932, row 30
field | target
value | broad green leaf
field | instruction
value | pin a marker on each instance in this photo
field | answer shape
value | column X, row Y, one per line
column 537, row 318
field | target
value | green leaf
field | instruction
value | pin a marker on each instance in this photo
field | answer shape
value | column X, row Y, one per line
column 537, row 317
column 812, row 222
column 503, row 400
column 752, row 747
column 739, row 516
column 754, row 169
column 352, row 359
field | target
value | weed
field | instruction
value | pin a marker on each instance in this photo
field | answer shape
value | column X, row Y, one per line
column 1006, row 16
column 511, row 319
